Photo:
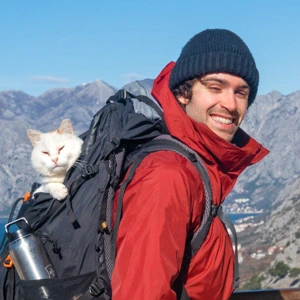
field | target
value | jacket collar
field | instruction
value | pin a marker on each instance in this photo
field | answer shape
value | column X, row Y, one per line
column 227, row 160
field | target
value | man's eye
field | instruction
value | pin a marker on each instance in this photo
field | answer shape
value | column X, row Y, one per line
column 243, row 94
column 215, row 88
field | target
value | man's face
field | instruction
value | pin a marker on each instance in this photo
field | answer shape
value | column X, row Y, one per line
column 220, row 101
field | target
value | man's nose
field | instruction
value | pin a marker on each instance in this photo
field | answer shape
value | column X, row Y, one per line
column 229, row 100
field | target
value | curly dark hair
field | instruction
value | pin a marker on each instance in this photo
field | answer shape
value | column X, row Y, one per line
column 185, row 89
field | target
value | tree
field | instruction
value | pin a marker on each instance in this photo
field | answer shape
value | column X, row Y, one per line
column 254, row 283
column 280, row 270
column 295, row 272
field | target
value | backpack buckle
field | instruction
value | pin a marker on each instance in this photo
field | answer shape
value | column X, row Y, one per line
column 122, row 94
column 214, row 210
column 96, row 289
column 87, row 171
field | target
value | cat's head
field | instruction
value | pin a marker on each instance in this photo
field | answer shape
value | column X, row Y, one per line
column 56, row 151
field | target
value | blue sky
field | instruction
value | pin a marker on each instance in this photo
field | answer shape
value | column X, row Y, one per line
column 48, row 44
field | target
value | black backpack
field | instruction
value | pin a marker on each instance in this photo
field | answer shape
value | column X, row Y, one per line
column 77, row 232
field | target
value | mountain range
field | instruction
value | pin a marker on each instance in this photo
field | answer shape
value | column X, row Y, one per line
column 273, row 120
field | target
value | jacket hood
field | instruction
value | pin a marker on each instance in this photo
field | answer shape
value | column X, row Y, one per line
column 225, row 161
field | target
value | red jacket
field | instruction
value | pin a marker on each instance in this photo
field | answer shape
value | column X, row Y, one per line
column 164, row 202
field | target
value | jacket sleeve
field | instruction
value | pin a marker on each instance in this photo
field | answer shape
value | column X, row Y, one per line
column 161, row 205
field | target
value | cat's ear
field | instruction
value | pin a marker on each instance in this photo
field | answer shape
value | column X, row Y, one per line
column 66, row 126
column 34, row 136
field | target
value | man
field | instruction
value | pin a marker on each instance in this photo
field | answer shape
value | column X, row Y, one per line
column 205, row 96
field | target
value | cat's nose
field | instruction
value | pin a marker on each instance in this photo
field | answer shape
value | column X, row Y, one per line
column 55, row 160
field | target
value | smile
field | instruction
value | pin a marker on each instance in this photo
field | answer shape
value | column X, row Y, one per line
column 222, row 120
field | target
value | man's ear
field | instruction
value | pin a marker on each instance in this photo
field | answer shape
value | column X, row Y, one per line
column 182, row 100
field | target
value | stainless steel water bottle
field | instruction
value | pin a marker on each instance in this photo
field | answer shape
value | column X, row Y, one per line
column 28, row 253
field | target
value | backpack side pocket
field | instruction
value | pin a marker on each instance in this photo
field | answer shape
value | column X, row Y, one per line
column 66, row 288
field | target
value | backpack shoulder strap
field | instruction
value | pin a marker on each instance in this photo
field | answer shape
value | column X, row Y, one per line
column 166, row 142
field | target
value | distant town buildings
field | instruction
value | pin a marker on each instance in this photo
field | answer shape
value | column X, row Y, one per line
column 241, row 206
column 260, row 253
column 243, row 226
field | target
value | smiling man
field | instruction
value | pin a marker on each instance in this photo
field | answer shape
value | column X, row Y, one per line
column 204, row 96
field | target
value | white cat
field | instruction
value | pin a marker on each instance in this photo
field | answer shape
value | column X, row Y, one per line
column 53, row 154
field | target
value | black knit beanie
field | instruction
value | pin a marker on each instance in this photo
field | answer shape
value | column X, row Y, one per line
column 213, row 51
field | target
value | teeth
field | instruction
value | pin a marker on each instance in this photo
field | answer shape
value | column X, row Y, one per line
column 222, row 120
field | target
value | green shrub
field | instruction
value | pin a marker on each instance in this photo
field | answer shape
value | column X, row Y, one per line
column 295, row 272
column 280, row 270
column 254, row 283
column 297, row 234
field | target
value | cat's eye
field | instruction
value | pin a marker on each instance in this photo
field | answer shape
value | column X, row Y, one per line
column 46, row 153
column 60, row 149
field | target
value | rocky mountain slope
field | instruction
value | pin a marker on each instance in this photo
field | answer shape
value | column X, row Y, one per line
column 283, row 230
column 271, row 251
column 274, row 121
